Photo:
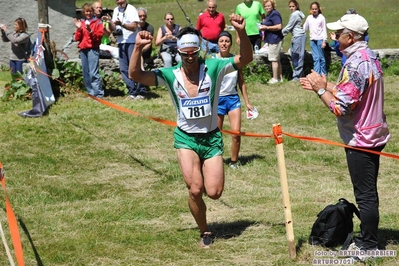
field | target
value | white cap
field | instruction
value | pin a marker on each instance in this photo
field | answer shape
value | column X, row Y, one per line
column 353, row 22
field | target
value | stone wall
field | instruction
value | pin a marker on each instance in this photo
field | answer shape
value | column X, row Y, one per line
column 61, row 13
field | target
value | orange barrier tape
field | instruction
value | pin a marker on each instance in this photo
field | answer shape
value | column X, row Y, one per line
column 246, row 134
column 330, row 142
column 12, row 222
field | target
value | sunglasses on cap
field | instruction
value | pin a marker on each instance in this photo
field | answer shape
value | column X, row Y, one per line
column 190, row 53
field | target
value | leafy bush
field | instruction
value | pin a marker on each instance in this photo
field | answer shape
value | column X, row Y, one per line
column 17, row 88
column 390, row 67
column 255, row 72
column 70, row 75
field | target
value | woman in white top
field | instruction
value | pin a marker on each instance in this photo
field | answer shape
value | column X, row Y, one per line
column 316, row 24
column 229, row 100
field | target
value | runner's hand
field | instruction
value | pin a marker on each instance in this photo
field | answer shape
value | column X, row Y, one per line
column 143, row 38
column 237, row 21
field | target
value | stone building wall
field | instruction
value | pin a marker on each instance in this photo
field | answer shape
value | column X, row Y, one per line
column 61, row 13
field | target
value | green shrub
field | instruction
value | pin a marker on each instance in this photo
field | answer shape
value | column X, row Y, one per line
column 390, row 67
column 17, row 88
column 255, row 72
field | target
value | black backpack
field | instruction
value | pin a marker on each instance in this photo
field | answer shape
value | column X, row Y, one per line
column 334, row 224
column 29, row 47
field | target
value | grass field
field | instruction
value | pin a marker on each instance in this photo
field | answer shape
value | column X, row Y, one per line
column 95, row 186
column 91, row 185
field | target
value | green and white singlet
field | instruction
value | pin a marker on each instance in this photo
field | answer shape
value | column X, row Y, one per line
column 196, row 114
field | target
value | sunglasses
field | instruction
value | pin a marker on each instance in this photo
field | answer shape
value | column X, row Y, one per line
column 338, row 34
column 143, row 16
column 168, row 19
column 190, row 53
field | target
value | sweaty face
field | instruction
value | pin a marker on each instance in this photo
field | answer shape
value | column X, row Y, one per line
column 189, row 55
column 224, row 44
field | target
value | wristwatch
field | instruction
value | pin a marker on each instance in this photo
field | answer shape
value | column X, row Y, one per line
column 321, row 92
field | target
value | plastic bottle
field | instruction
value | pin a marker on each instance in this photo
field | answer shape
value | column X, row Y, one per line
column 256, row 47
column 105, row 39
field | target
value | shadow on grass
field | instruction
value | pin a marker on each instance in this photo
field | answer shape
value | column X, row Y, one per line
column 243, row 160
column 26, row 231
column 151, row 95
column 230, row 230
column 387, row 237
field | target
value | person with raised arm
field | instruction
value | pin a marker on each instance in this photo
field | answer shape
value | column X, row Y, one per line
column 194, row 86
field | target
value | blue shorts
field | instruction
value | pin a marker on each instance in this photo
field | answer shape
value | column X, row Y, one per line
column 228, row 103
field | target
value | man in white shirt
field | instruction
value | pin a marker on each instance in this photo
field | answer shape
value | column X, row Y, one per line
column 123, row 25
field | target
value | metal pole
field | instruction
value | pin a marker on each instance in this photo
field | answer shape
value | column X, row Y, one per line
column 187, row 18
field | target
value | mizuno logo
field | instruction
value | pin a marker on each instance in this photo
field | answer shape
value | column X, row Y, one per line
column 201, row 101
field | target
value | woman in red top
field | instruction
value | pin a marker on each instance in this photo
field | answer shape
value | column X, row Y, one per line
column 89, row 31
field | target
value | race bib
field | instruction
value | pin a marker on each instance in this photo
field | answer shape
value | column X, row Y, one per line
column 194, row 108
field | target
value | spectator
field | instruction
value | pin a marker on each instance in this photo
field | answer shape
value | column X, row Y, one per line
column 198, row 140
column 253, row 13
column 298, row 38
column 144, row 25
column 98, row 12
column 210, row 24
column 89, row 31
column 123, row 25
column 19, row 39
column 166, row 39
column 272, row 26
column 316, row 24
column 140, row 91
column 229, row 100
column 357, row 100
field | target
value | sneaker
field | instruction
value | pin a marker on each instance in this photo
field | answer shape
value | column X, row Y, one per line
column 358, row 254
column 234, row 165
column 273, row 81
column 139, row 97
column 131, row 97
column 206, row 240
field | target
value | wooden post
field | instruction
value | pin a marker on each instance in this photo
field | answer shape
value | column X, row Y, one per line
column 42, row 7
column 277, row 132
